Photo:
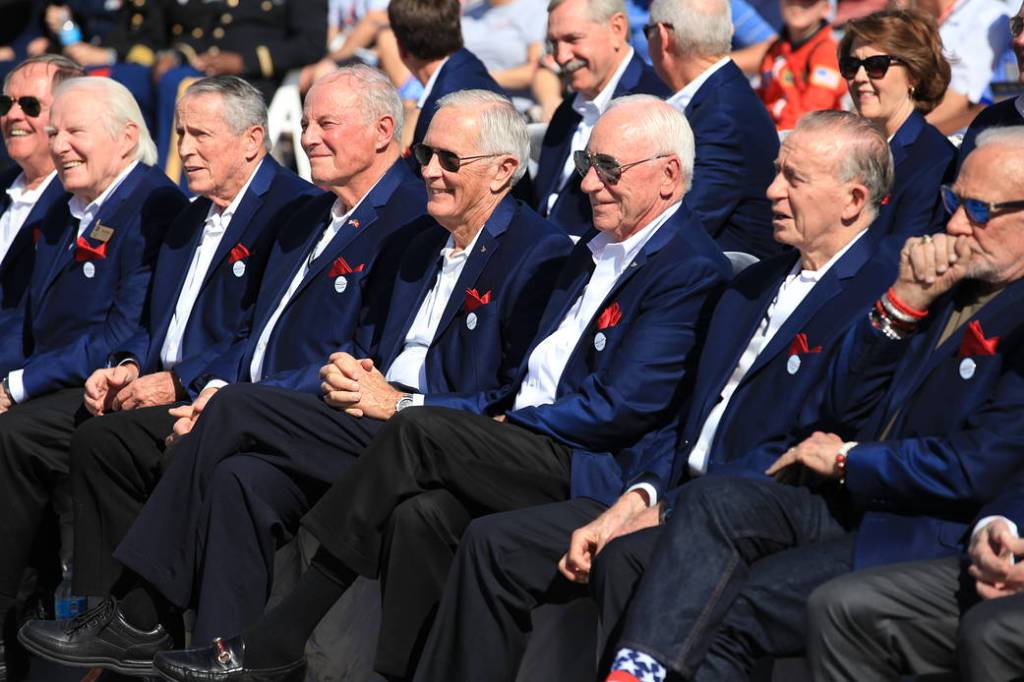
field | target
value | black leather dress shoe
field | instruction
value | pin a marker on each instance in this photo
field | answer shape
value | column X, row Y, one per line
column 100, row 637
column 223, row 660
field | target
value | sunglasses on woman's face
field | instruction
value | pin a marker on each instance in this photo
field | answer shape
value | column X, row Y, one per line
column 30, row 106
column 875, row 66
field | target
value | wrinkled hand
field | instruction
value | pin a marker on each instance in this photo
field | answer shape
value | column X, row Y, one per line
column 103, row 385
column 629, row 514
column 187, row 416
column 88, row 55
column 148, row 391
column 358, row 387
column 35, row 47
column 220, row 63
column 992, row 566
column 5, row 402
column 815, row 454
column 929, row 267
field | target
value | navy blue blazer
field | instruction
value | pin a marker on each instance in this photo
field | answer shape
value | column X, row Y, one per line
column 924, row 161
column 228, row 291
column 572, row 210
column 736, row 146
column 955, row 438
column 78, row 312
column 462, row 71
column 757, row 426
column 324, row 312
column 16, row 266
column 621, row 383
column 514, row 265
column 1002, row 114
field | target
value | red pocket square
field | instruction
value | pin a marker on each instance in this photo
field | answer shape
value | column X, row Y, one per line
column 474, row 300
column 238, row 252
column 85, row 251
column 610, row 316
column 341, row 267
column 800, row 345
column 975, row 343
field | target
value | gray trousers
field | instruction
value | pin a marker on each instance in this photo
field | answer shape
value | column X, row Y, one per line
column 921, row 618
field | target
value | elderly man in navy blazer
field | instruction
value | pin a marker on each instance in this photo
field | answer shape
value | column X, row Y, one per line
column 616, row 341
column 31, row 187
column 315, row 291
column 589, row 40
column 770, row 334
column 689, row 43
column 94, row 260
column 928, row 383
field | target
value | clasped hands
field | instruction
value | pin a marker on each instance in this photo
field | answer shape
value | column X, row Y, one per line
column 357, row 387
column 993, row 567
column 121, row 388
column 814, row 455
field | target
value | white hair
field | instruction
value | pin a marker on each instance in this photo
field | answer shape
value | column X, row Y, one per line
column 377, row 96
column 701, row 27
column 244, row 106
column 1010, row 136
column 598, row 11
column 502, row 129
column 116, row 106
column 664, row 125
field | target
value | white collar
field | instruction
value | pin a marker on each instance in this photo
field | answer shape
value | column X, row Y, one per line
column 816, row 275
column 597, row 106
column 18, row 192
column 79, row 208
column 681, row 99
column 225, row 215
column 602, row 246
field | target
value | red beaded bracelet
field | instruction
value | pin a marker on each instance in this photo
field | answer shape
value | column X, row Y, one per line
column 903, row 307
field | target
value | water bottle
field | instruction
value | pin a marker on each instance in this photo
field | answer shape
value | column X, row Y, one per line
column 70, row 33
column 65, row 604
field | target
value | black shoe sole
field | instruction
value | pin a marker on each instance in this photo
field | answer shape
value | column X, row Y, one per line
column 128, row 668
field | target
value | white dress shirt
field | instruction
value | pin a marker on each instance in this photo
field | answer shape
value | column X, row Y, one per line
column 214, row 227
column 548, row 359
column 23, row 200
column 85, row 214
column 681, row 99
column 794, row 289
column 410, row 367
column 589, row 111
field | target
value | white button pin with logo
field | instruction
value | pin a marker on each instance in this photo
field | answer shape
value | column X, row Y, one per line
column 967, row 368
column 238, row 269
column 89, row 270
column 471, row 321
column 340, row 284
column 600, row 341
column 793, row 364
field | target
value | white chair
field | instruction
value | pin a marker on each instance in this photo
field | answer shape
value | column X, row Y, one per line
column 284, row 116
column 740, row 261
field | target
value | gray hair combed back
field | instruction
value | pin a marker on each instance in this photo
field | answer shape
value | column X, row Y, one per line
column 663, row 124
column 599, row 11
column 378, row 97
column 502, row 129
column 701, row 27
column 117, row 107
column 244, row 106
column 1010, row 136
column 64, row 68
column 865, row 154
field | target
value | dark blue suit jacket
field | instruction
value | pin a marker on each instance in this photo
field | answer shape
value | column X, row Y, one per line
column 572, row 210
column 517, row 258
column 1002, row 114
column 16, row 266
column 616, row 393
column 924, row 160
column 736, row 145
column 955, row 438
column 225, row 299
column 462, row 71
column 319, row 319
column 73, row 321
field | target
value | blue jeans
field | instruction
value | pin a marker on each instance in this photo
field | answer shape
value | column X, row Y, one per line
column 729, row 574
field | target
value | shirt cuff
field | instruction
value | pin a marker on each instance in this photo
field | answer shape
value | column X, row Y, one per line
column 418, row 399
column 215, row 383
column 652, row 493
column 16, row 384
column 980, row 525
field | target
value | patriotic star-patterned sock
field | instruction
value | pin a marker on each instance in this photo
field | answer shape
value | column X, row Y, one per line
column 635, row 666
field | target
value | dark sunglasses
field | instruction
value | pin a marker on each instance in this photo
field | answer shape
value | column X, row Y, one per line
column 31, row 106
column 650, row 28
column 607, row 168
column 875, row 67
column 978, row 212
column 449, row 161
column 1016, row 25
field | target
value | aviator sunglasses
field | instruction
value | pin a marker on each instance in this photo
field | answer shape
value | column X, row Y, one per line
column 978, row 212
column 449, row 161
column 607, row 168
column 30, row 105
column 875, row 66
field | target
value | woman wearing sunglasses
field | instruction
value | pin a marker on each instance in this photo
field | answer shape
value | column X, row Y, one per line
column 893, row 64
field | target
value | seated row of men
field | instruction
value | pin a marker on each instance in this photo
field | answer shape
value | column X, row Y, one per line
column 560, row 406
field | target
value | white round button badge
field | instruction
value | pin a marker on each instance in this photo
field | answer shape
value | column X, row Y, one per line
column 600, row 341
column 793, row 364
column 238, row 268
column 471, row 321
column 89, row 270
column 340, row 284
column 967, row 367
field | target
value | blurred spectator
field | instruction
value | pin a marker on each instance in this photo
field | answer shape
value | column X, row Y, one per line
column 508, row 37
column 896, row 71
column 800, row 73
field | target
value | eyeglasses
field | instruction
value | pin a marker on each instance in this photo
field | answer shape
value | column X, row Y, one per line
column 978, row 212
column 1016, row 25
column 875, row 66
column 31, row 106
column 607, row 168
column 449, row 161
column 650, row 28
